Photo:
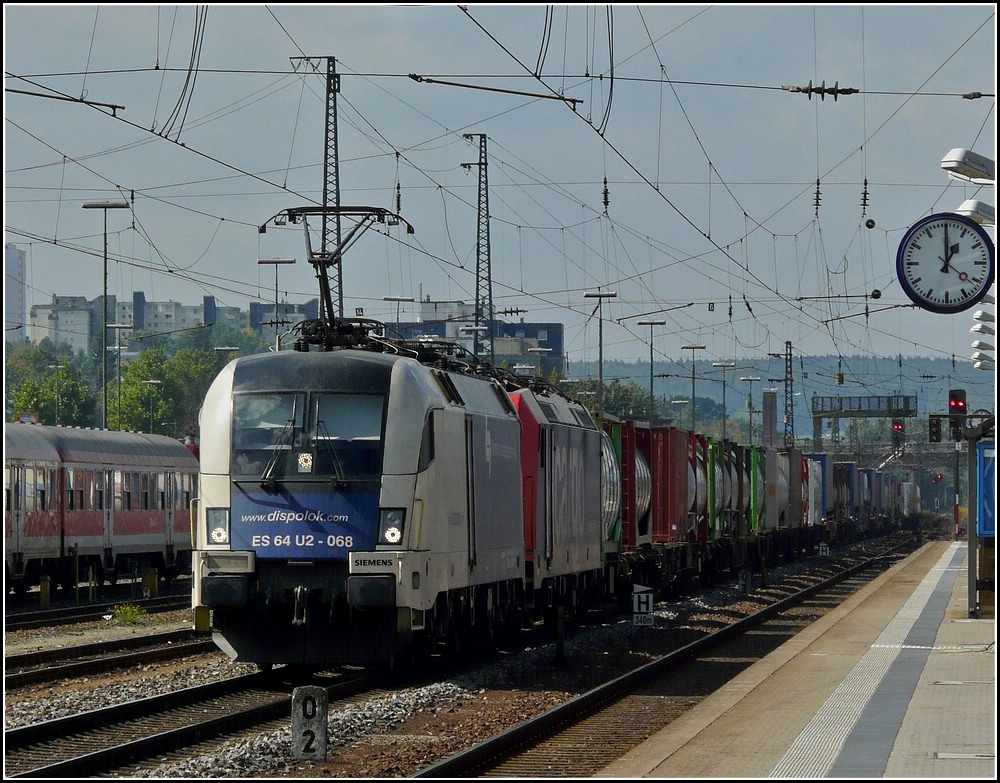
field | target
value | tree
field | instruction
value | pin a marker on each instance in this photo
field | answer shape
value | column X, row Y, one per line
column 188, row 375
column 48, row 382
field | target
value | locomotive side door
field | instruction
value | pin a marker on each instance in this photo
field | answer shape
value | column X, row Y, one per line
column 470, row 487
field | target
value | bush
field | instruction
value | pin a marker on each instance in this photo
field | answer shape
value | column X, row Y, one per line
column 129, row 614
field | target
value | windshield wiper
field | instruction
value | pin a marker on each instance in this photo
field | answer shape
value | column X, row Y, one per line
column 268, row 482
column 339, row 479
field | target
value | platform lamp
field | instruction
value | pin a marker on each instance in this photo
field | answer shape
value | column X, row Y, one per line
column 105, row 205
column 397, row 300
column 118, row 363
column 600, row 296
column 58, row 368
column 679, row 402
column 692, row 348
column 724, row 367
column 541, row 352
column 651, row 324
column 750, row 379
column 151, row 382
column 476, row 332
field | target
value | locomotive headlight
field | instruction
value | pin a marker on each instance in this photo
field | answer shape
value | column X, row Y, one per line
column 217, row 524
column 390, row 525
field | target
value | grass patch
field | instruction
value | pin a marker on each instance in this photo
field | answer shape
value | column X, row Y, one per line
column 128, row 614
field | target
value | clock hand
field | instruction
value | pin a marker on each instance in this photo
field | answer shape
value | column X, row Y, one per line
column 947, row 252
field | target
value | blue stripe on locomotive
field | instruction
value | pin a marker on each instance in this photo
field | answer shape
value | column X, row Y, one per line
column 301, row 522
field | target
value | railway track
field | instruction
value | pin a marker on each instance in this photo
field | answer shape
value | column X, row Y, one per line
column 98, row 742
column 228, row 718
column 39, row 666
column 627, row 710
column 69, row 615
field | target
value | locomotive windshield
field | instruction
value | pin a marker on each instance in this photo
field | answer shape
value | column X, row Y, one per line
column 281, row 436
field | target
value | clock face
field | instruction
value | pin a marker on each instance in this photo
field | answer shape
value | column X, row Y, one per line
column 945, row 263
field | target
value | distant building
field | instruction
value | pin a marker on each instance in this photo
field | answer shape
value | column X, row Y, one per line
column 76, row 321
column 15, row 303
column 167, row 317
column 66, row 320
column 265, row 317
column 539, row 345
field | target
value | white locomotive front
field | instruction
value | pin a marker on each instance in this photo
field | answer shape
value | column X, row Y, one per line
column 354, row 503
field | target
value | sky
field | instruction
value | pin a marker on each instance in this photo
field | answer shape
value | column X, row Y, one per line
column 681, row 157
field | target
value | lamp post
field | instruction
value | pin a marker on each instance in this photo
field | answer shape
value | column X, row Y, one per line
column 541, row 352
column 276, row 262
column 58, row 385
column 600, row 296
column 692, row 348
column 397, row 300
column 749, row 381
column 476, row 332
column 679, row 402
column 118, row 364
column 151, row 383
column 651, row 324
column 105, row 205
column 724, row 366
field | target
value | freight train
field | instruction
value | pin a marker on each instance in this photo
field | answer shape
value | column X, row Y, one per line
column 365, row 498
column 83, row 504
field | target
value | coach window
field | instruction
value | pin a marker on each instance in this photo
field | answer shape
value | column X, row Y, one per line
column 144, row 491
column 29, row 489
column 121, row 491
column 186, row 484
column 46, row 482
column 8, row 496
column 130, row 491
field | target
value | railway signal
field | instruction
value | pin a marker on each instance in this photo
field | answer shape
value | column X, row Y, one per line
column 956, row 412
column 934, row 429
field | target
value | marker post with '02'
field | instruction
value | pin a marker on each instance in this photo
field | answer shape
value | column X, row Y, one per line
column 309, row 722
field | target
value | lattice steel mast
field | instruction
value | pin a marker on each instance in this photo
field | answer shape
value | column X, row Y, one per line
column 484, row 279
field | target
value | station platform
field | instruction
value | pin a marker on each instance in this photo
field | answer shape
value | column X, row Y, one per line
column 897, row 682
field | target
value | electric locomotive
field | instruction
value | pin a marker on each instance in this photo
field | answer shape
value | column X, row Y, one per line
column 354, row 503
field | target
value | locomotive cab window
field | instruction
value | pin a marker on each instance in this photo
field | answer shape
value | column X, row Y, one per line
column 322, row 436
column 266, row 427
column 347, row 436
